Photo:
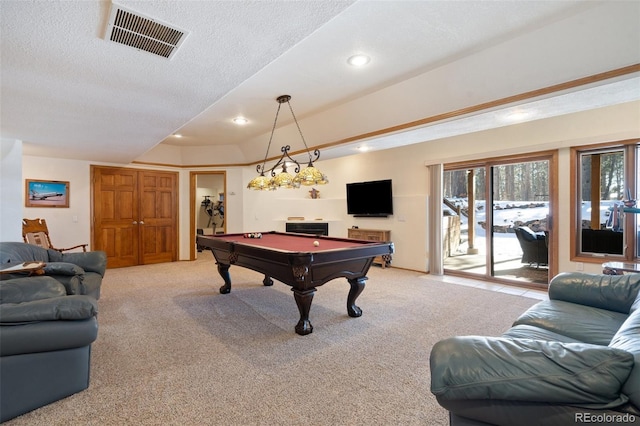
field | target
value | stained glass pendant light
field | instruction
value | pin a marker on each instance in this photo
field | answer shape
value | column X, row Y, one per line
column 308, row 176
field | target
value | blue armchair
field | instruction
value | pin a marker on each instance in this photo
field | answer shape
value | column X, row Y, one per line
column 47, row 326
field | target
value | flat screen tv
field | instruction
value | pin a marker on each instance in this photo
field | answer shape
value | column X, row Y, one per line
column 370, row 199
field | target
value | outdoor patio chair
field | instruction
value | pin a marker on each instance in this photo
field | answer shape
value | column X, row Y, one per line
column 534, row 246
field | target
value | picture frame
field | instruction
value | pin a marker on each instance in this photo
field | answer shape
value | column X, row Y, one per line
column 46, row 193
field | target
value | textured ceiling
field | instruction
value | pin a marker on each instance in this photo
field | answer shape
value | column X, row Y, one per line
column 67, row 92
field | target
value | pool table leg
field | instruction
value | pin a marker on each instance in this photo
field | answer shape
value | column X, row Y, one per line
column 267, row 281
column 303, row 300
column 223, row 270
column 357, row 285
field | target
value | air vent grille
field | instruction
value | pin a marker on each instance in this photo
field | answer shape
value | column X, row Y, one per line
column 144, row 33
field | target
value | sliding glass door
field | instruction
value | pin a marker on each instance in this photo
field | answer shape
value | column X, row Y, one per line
column 520, row 241
column 496, row 221
column 464, row 221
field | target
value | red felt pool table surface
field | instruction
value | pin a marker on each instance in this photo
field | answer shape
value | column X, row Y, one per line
column 289, row 242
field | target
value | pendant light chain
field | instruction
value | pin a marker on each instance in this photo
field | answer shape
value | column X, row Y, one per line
column 273, row 130
column 299, row 130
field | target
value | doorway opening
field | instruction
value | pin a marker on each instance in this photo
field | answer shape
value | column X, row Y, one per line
column 207, row 195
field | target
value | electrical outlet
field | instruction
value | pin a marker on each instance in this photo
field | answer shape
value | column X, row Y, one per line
column 579, row 266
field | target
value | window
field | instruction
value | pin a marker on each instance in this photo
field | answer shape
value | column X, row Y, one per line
column 605, row 222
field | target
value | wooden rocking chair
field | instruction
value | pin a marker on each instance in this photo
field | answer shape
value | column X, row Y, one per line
column 35, row 231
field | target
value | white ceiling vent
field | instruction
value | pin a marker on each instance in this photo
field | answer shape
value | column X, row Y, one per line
column 133, row 29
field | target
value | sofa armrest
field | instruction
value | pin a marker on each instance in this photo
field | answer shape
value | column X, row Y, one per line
column 27, row 289
column 63, row 268
column 52, row 309
column 69, row 274
column 480, row 368
column 91, row 261
column 628, row 338
column 611, row 292
column 46, row 336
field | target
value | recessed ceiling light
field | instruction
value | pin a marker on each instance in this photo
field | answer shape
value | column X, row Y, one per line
column 358, row 60
column 177, row 135
column 240, row 120
column 363, row 148
column 518, row 114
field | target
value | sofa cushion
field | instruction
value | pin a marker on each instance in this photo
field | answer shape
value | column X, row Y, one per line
column 13, row 252
column 584, row 323
column 90, row 284
column 611, row 292
column 628, row 339
column 72, row 283
column 27, row 289
column 524, row 331
column 481, row 368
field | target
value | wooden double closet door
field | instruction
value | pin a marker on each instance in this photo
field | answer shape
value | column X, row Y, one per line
column 135, row 215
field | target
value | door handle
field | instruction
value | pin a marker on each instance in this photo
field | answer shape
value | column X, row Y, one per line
column 135, row 223
column 142, row 222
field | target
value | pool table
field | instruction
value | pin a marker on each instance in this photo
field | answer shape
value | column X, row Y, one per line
column 296, row 261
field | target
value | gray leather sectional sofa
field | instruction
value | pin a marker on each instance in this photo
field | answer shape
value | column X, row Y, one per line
column 572, row 359
column 47, row 325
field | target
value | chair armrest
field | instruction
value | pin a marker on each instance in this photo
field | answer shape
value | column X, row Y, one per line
column 82, row 246
column 611, row 292
column 481, row 368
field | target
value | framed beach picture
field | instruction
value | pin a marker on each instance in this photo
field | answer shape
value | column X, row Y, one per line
column 46, row 193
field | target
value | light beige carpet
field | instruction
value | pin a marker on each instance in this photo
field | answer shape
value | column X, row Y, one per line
column 172, row 350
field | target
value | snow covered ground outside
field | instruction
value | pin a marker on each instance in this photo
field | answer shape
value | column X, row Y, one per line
column 508, row 215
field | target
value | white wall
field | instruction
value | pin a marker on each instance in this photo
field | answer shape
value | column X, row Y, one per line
column 11, row 189
column 67, row 226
